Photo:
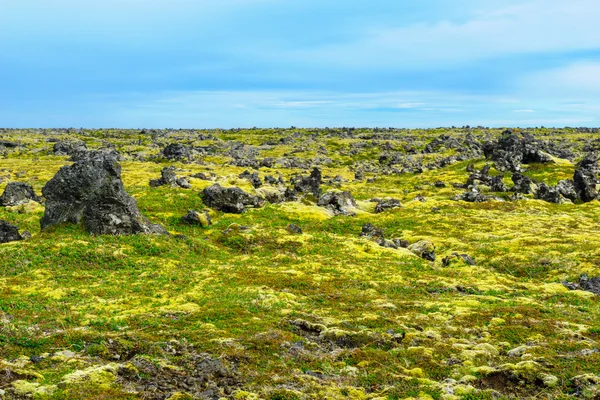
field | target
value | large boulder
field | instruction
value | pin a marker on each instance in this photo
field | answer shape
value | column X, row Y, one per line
column 231, row 200
column 9, row 233
column 176, row 151
column 91, row 191
column 340, row 203
column 17, row 193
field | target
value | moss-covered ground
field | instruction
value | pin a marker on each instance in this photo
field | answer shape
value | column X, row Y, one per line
column 324, row 314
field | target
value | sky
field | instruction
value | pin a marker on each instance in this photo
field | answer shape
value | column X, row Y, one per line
column 304, row 63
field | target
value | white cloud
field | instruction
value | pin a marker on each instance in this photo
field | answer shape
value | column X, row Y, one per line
column 532, row 27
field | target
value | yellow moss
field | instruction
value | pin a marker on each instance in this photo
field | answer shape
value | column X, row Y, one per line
column 100, row 376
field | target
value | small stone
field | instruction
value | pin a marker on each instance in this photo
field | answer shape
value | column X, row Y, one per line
column 293, row 228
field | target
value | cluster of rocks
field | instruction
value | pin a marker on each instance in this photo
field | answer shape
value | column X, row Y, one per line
column 423, row 248
column 584, row 187
column 513, row 149
column 585, row 283
column 169, row 178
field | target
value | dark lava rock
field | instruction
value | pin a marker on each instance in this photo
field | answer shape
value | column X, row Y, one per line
column 514, row 149
column 424, row 249
column 439, row 184
column 341, row 203
column 586, row 183
column 9, row 233
column 473, row 196
column 310, row 184
column 446, row 261
column 198, row 375
column 293, row 228
column 195, row 218
column 169, row 178
column 585, row 283
column 370, row 231
column 567, row 189
column 231, row 200
column 359, row 175
column 176, row 151
column 91, row 190
column 69, row 147
column 274, row 181
column 523, row 184
column 17, row 193
column 253, row 178
column 387, row 204
column 549, row 194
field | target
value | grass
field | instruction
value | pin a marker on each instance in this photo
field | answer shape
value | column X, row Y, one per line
column 233, row 295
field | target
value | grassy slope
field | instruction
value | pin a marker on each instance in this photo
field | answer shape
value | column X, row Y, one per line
column 234, row 295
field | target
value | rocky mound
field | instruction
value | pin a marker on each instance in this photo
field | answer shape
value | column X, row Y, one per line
column 17, row 193
column 91, row 191
column 231, row 200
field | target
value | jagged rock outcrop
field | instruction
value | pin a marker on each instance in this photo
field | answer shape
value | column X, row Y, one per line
column 17, row 193
column 310, row 184
column 91, row 191
column 169, row 178
column 231, row 200
column 586, row 182
column 523, row 184
column 253, row 178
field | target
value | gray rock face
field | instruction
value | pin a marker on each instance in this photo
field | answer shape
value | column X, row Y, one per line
column 310, row 184
column 169, row 178
column 341, row 203
column 567, row 189
column 69, row 147
column 17, row 193
column 9, row 233
column 231, row 200
column 91, row 191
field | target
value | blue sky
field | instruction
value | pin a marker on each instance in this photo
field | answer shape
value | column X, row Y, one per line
column 278, row 63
